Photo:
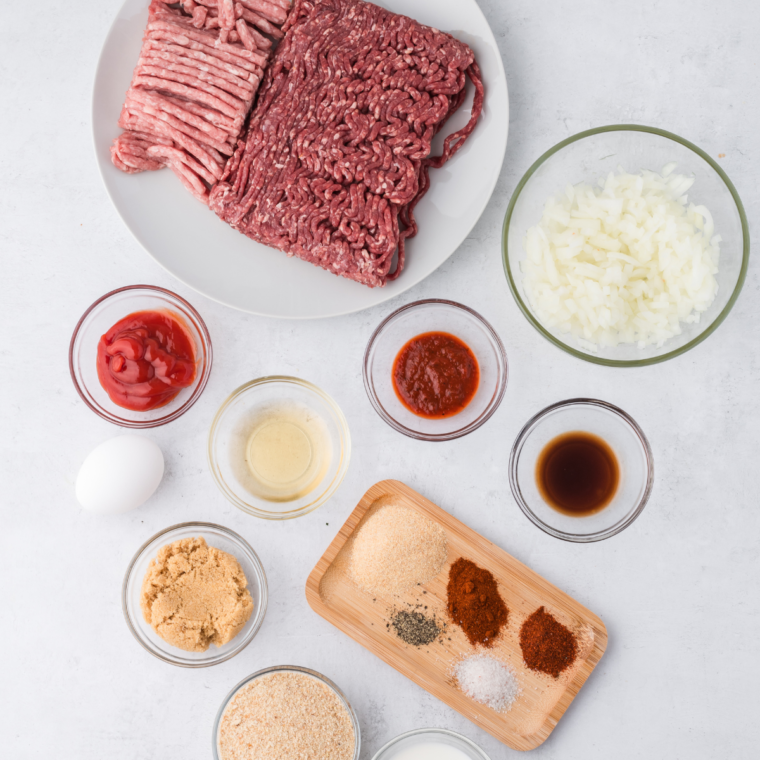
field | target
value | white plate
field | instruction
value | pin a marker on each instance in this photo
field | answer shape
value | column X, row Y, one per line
column 194, row 245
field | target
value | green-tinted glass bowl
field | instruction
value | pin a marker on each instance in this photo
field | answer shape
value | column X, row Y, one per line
column 590, row 155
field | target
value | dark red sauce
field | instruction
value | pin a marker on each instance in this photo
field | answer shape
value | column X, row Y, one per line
column 146, row 359
column 435, row 375
column 577, row 473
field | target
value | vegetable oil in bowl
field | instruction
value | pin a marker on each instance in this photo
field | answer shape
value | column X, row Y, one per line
column 282, row 452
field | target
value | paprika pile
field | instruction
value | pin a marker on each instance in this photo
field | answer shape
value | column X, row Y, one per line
column 474, row 602
column 547, row 645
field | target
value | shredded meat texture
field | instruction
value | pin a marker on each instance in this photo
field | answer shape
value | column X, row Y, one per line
column 337, row 152
column 199, row 69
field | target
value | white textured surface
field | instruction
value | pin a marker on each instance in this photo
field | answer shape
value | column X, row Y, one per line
column 678, row 590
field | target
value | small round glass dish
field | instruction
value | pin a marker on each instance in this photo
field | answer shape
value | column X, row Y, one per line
column 287, row 669
column 591, row 155
column 220, row 538
column 622, row 435
column 403, row 746
column 105, row 313
column 246, row 417
column 434, row 315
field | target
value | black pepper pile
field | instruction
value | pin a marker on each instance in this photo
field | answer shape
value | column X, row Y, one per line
column 415, row 628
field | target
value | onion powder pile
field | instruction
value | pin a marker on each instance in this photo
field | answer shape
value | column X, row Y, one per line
column 395, row 549
column 488, row 681
column 627, row 262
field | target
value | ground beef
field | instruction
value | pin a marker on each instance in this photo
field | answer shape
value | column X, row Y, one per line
column 199, row 69
column 337, row 151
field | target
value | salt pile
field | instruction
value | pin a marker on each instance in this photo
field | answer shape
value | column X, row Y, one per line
column 488, row 681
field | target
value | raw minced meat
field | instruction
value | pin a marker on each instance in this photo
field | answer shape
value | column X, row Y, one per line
column 337, row 152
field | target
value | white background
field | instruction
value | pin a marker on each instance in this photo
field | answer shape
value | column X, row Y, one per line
column 678, row 590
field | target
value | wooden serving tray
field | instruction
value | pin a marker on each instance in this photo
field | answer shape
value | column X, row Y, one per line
column 364, row 617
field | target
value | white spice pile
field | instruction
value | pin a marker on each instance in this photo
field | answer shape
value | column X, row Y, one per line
column 488, row 681
column 287, row 716
column 396, row 549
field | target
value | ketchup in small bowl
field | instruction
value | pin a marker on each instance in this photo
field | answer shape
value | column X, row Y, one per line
column 140, row 356
column 146, row 359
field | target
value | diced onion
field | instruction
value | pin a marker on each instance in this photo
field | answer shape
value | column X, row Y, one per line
column 627, row 262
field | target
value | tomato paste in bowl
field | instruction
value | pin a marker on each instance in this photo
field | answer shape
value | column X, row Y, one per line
column 435, row 370
column 435, row 375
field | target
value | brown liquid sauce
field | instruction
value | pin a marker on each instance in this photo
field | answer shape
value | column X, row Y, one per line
column 577, row 474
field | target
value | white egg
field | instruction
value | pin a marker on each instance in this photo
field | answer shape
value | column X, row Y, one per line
column 120, row 475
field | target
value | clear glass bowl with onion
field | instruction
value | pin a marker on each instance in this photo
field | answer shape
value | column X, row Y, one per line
column 591, row 155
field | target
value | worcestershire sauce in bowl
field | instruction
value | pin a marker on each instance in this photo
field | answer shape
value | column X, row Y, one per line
column 577, row 474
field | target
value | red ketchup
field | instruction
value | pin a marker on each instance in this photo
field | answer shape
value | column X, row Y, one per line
column 146, row 359
column 435, row 375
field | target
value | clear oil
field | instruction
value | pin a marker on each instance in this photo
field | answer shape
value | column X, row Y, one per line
column 285, row 453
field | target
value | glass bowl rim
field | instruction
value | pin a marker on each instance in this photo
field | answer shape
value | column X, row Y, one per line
column 514, row 458
column 493, row 404
column 206, row 350
column 339, row 475
column 709, row 330
column 288, row 669
column 421, row 731
column 261, row 577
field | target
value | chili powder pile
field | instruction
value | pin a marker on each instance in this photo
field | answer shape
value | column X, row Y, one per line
column 547, row 645
column 474, row 602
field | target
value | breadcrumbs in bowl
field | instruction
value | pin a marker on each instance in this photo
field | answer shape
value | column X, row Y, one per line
column 286, row 712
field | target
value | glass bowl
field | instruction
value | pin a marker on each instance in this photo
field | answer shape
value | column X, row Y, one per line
column 232, row 425
column 101, row 316
column 220, row 538
column 434, row 315
column 590, row 155
column 288, row 669
column 422, row 736
column 631, row 449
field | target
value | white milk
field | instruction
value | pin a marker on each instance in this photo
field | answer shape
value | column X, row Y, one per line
column 431, row 751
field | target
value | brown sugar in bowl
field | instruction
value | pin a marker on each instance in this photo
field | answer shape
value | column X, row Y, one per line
column 221, row 538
